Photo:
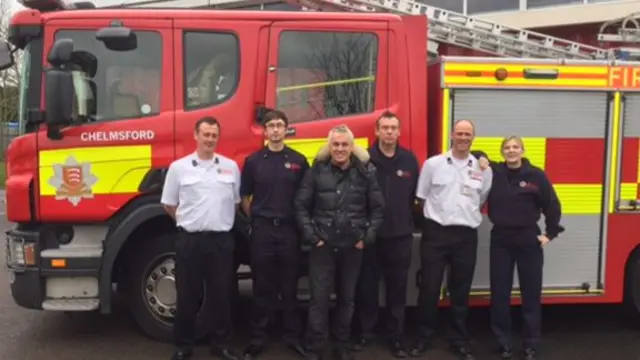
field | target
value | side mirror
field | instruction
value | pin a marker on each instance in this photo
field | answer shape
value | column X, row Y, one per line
column 58, row 91
column 60, row 54
column 58, row 96
column 118, row 38
column 6, row 56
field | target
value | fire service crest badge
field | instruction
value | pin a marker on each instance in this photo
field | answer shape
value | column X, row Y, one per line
column 73, row 181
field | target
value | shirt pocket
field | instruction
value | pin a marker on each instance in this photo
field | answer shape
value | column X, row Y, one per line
column 226, row 179
column 190, row 181
column 443, row 178
column 475, row 184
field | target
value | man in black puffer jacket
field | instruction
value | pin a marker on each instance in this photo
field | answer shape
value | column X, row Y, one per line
column 339, row 208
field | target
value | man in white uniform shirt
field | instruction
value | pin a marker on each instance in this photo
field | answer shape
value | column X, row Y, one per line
column 201, row 192
column 452, row 188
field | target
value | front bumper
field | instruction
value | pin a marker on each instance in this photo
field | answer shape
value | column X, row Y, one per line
column 27, row 287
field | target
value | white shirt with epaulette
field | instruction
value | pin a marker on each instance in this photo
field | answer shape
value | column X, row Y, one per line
column 453, row 190
column 205, row 192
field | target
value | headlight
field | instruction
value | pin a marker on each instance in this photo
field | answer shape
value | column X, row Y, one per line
column 19, row 253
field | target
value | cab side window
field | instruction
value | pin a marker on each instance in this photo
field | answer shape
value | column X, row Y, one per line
column 114, row 85
column 326, row 74
column 211, row 68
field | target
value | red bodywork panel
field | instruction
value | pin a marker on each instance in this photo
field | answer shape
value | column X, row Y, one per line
column 403, row 80
column 172, row 127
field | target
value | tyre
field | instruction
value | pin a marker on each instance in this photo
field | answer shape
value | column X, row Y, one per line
column 151, row 291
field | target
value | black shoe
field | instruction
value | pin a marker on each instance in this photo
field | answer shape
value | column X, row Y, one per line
column 342, row 354
column 419, row 349
column 252, row 351
column 182, row 354
column 505, row 352
column 313, row 356
column 224, row 353
column 397, row 350
column 529, row 354
column 464, row 353
column 297, row 348
column 360, row 344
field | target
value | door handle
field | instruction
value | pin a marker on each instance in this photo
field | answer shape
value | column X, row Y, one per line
column 290, row 132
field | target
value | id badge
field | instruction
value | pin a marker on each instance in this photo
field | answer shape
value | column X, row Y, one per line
column 466, row 190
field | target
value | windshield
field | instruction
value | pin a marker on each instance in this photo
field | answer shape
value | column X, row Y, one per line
column 25, row 65
column 113, row 85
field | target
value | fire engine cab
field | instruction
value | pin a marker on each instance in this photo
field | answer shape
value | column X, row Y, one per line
column 109, row 98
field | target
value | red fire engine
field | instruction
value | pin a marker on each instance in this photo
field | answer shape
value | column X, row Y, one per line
column 109, row 97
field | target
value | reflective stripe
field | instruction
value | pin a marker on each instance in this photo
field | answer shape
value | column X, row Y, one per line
column 491, row 67
column 615, row 153
column 576, row 199
column 309, row 147
column 474, row 74
column 629, row 191
column 117, row 169
column 446, row 118
column 530, row 83
column 536, row 148
column 580, row 199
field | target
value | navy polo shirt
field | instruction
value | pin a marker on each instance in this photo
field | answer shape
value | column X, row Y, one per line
column 272, row 178
column 398, row 178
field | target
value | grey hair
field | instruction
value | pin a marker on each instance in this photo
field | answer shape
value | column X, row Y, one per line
column 341, row 129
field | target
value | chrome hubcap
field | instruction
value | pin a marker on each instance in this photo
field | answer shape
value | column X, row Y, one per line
column 160, row 289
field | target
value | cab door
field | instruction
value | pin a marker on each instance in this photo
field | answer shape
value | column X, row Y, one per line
column 122, row 121
column 217, row 64
column 326, row 73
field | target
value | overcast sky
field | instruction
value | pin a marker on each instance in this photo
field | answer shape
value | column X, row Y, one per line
column 14, row 6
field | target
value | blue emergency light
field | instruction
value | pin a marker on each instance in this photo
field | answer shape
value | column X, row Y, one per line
column 626, row 53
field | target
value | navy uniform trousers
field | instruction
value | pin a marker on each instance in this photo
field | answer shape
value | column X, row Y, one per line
column 275, row 252
column 389, row 259
column 508, row 249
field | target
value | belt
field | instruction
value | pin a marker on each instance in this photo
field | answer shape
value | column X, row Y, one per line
column 205, row 232
column 274, row 221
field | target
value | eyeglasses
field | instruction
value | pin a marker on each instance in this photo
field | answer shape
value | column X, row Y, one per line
column 277, row 125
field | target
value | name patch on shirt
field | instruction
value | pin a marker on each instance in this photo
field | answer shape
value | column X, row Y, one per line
column 475, row 175
column 528, row 185
column 225, row 171
column 292, row 166
column 403, row 174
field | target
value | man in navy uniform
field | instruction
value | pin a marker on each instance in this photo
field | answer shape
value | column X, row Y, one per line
column 201, row 192
column 390, row 257
column 270, row 179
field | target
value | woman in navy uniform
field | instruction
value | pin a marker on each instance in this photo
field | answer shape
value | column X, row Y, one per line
column 520, row 193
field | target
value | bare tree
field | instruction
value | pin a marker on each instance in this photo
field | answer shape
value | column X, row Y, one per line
column 346, row 65
column 10, row 78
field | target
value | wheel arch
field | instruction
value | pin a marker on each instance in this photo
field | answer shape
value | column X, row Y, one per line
column 143, row 213
column 143, row 218
column 631, row 264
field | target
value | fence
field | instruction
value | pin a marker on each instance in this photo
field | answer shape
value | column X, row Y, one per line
column 8, row 131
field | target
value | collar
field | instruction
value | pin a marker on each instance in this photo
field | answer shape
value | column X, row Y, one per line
column 450, row 159
column 196, row 161
column 376, row 152
column 266, row 151
column 524, row 168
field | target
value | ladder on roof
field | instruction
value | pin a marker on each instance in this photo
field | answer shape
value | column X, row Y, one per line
column 467, row 31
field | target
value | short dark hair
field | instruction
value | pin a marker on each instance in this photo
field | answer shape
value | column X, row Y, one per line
column 209, row 120
column 386, row 115
column 275, row 115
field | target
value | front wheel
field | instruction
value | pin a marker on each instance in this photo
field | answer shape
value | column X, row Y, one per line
column 151, row 290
